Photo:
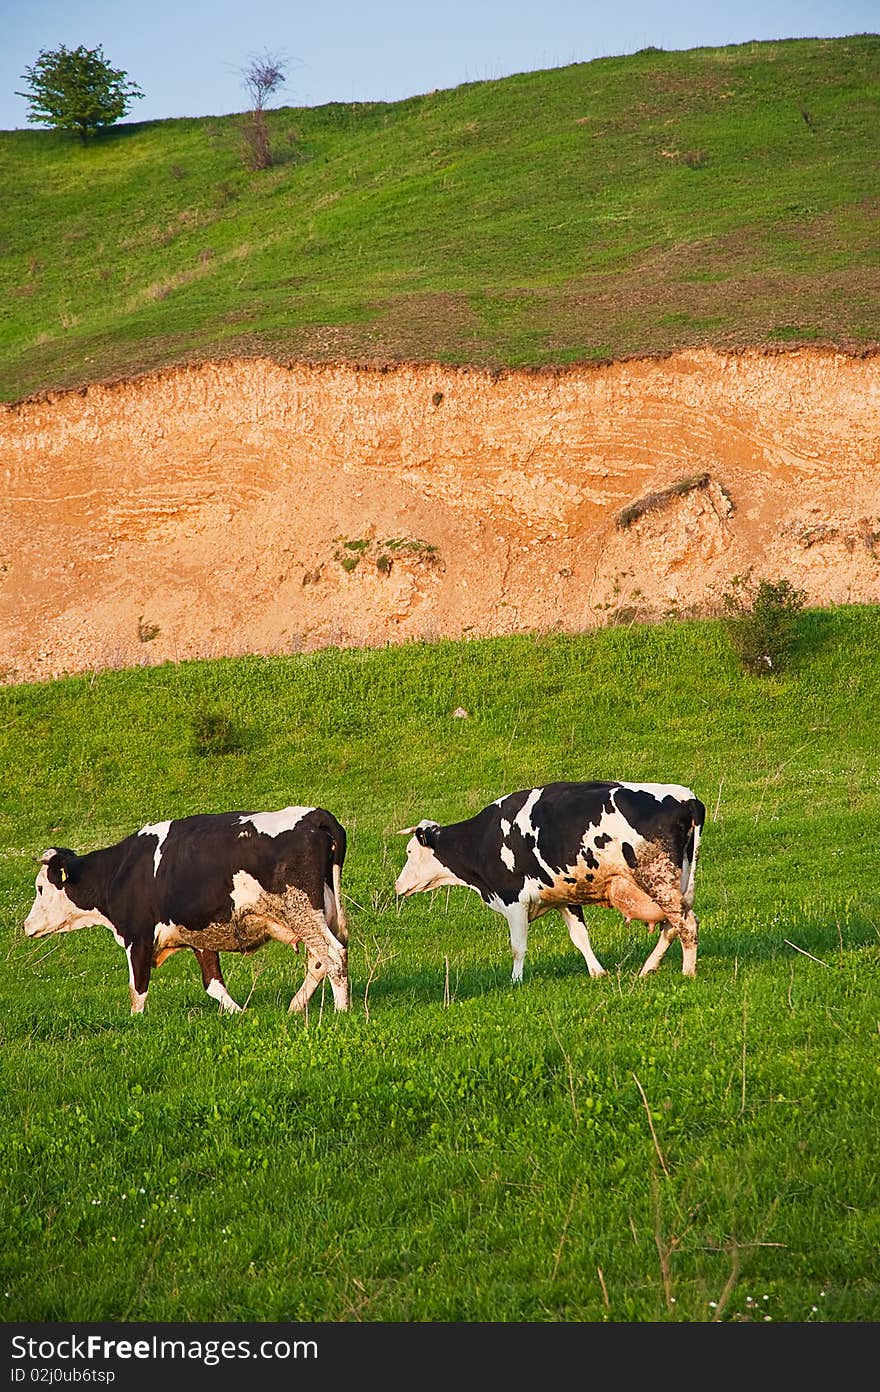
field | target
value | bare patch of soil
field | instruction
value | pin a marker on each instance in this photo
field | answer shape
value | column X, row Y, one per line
column 248, row 506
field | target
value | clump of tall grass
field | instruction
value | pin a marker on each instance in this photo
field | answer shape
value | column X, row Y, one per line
column 652, row 501
column 214, row 732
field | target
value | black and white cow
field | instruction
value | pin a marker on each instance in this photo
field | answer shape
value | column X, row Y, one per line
column 216, row 882
column 628, row 846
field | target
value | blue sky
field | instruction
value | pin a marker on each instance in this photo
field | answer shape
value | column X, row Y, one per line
column 188, row 58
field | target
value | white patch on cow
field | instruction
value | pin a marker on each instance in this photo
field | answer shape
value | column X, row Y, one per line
column 518, row 925
column 165, row 935
column 505, row 828
column 246, row 891
column 273, row 823
column 661, row 790
column 219, row 993
column 423, row 871
column 507, row 855
column 523, row 816
column 159, row 830
column 53, row 912
column 532, row 890
column 523, row 820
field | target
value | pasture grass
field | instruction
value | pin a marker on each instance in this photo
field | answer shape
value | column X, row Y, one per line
column 454, row 1148
column 625, row 206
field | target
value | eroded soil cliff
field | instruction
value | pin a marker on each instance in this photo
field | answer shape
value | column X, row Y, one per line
column 247, row 506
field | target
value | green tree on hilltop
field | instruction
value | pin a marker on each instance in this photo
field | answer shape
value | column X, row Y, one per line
column 76, row 89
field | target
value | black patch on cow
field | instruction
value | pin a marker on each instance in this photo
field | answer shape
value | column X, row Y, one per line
column 666, row 821
column 601, row 840
column 642, row 810
column 629, row 855
column 591, row 858
column 563, row 816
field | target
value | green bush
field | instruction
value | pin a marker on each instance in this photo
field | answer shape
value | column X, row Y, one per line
column 214, row 732
column 761, row 622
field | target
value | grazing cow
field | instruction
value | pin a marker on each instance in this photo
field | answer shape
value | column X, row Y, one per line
column 628, row 846
column 216, row 882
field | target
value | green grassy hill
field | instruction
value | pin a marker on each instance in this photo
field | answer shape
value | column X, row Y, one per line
column 624, row 206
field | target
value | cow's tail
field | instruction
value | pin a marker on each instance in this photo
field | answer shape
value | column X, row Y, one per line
column 341, row 925
column 696, row 814
column 333, row 907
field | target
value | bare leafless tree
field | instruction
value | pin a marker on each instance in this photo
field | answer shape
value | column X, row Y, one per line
column 265, row 73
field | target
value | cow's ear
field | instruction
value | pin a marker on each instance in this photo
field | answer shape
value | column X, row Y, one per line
column 426, row 835
column 62, row 867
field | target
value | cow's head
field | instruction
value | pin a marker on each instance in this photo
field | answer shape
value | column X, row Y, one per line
column 54, row 909
column 423, row 868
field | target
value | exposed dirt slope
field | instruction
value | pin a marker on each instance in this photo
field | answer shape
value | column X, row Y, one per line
column 206, row 511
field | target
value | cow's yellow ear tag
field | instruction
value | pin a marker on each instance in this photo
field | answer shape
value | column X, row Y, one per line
column 63, row 874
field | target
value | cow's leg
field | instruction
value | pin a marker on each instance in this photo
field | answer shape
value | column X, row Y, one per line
column 577, row 931
column 316, row 970
column 688, row 931
column 679, row 919
column 666, row 935
column 664, row 910
column 683, row 926
column 341, row 990
column 304, row 920
column 212, row 980
column 517, row 916
column 140, row 963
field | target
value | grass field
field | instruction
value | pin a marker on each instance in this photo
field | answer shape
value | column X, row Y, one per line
column 457, row 1149
column 624, row 206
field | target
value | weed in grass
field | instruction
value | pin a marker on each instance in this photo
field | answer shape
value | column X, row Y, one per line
column 213, row 732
